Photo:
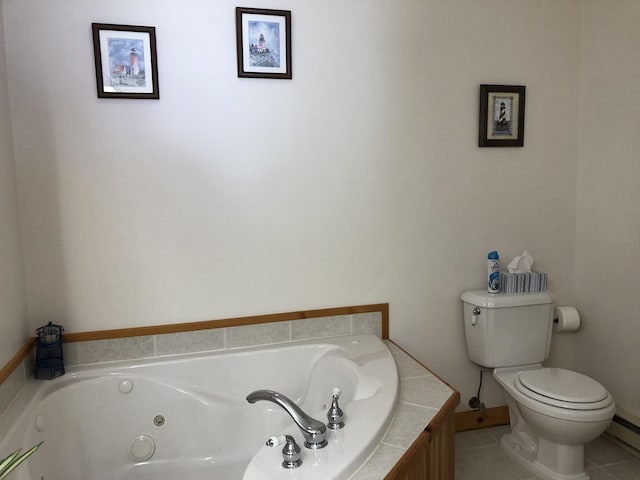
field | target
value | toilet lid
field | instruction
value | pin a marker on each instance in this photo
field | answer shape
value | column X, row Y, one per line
column 563, row 388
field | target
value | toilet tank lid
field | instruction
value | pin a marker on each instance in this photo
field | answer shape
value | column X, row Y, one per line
column 481, row 298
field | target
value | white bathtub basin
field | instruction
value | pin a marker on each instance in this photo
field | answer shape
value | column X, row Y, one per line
column 189, row 416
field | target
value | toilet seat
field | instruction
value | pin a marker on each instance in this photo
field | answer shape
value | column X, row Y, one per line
column 562, row 388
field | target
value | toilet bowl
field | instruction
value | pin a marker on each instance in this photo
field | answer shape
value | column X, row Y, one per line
column 553, row 413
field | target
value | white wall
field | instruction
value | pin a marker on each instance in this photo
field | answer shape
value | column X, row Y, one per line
column 608, row 213
column 359, row 181
column 13, row 318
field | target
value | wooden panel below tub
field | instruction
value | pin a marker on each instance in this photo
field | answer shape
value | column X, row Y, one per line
column 432, row 454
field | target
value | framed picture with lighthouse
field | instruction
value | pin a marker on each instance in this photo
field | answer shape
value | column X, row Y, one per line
column 263, row 39
column 126, row 61
column 501, row 116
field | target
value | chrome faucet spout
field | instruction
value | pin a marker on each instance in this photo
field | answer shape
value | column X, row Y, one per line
column 313, row 431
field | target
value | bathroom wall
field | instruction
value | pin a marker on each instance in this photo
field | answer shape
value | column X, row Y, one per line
column 608, row 212
column 359, row 181
column 13, row 318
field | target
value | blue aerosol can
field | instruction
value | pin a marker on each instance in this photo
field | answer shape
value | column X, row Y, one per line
column 494, row 275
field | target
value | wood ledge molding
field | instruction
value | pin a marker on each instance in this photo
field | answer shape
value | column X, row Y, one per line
column 12, row 364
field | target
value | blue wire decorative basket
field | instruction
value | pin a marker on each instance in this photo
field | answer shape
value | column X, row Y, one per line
column 49, row 357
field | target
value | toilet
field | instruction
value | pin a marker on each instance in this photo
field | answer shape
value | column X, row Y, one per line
column 553, row 411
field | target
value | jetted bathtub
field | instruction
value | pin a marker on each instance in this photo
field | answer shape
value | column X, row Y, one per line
column 186, row 417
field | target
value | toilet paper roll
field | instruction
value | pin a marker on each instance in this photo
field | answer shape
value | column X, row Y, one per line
column 565, row 319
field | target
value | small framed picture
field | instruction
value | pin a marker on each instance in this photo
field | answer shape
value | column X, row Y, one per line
column 263, row 42
column 501, row 116
column 126, row 61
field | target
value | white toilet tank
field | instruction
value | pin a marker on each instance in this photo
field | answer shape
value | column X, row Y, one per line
column 504, row 330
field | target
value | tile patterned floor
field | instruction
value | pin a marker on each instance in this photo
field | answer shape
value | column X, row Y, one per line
column 479, row 457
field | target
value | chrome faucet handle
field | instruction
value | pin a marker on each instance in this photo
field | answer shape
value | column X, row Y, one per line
column 290, row 451
column 335, row 414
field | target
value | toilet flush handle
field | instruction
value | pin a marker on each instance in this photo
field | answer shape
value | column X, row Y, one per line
column 474, row 317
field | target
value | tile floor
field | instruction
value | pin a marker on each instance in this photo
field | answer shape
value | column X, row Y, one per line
column 479, row 457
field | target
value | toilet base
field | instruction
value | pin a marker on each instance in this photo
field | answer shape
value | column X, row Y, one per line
column 567, row 458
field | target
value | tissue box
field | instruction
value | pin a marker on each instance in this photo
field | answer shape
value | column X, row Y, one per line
column 528, row 282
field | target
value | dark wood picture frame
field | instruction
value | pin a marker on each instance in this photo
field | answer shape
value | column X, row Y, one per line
column 126, row 61
column 501, row 122
column 263, row 39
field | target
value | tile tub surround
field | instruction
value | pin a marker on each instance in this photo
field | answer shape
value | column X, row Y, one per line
column 422, row 394
column 215, row 339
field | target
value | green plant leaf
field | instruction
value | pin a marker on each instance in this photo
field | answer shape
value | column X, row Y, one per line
column 10, row 463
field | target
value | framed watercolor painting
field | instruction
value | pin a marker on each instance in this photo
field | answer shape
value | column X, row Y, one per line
column 263, row 43
column 501, row 116
column 126, row 61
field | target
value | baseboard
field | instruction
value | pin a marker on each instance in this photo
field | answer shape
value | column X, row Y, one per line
column 489, row 417
column 626, row 427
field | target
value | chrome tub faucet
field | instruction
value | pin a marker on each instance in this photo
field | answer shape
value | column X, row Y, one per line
column 313, row 431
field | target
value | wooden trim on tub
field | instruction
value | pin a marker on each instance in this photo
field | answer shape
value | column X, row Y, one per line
column 232, row 322
column 474, row 419
column 383, row 308
column 16, row 359
column 449, row 406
